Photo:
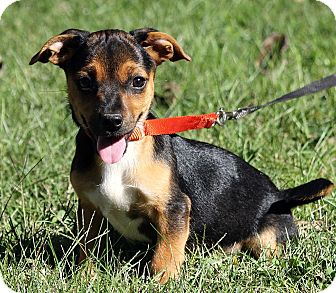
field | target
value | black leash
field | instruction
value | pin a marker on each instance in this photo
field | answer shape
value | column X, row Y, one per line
column 314, row 87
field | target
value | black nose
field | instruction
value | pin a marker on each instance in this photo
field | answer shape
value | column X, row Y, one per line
column 112, row 122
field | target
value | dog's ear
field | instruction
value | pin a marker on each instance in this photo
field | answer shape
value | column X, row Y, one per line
column 160, row 46
column 60, row 48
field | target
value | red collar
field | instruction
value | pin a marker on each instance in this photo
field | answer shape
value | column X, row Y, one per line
column 173, row 125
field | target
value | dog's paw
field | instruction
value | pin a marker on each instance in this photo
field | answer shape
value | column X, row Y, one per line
column 164, row 275
column 165, row 270
column 89, row 269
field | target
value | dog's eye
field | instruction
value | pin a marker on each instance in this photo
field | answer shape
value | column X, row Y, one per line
column 84, row 83
column 138, row 82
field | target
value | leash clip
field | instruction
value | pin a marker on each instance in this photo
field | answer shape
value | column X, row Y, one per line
column 223, row 116
column 234, row 115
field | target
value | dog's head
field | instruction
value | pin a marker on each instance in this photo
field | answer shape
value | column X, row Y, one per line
column 110, row 78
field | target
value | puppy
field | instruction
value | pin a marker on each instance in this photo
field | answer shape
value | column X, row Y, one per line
column 161, row 189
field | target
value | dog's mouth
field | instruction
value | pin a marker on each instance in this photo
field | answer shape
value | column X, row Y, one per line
column 111, row 149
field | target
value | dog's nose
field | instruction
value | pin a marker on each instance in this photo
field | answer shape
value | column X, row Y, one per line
column 112, row 122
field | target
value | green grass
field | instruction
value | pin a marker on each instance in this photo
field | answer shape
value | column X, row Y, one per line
column 292, row 143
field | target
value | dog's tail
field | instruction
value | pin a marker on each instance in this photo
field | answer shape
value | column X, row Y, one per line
column 305, row 193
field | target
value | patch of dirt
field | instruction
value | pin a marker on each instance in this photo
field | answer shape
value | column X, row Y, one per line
column 272, row 49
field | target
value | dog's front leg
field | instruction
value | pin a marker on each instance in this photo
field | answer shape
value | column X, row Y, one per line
column 172, row 234
column 90, row 222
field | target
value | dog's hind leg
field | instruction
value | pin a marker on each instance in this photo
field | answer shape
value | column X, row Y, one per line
column 278, row 225
column 273, row 231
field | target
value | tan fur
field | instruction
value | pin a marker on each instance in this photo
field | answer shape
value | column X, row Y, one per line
column 322, row 193
column 327, row 190
column 100, row 68
column 162, row 47
column 52, row 50
column 127, row 69
column 153, row 179
column 233, row 248
column 169, row 251
column 139, row 103
column 264, row 240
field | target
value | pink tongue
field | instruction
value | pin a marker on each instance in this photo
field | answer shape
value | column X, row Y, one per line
column 111, row 150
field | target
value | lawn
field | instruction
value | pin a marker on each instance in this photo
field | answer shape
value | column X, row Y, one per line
column 293, row 142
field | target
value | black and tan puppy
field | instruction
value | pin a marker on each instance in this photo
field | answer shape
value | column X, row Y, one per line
column 160, row 189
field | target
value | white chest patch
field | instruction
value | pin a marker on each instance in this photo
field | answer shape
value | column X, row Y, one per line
column 114, row 197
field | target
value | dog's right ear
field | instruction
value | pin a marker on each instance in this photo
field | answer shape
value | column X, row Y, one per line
column 60, row 48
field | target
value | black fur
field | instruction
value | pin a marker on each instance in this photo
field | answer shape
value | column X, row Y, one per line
column 231, row 200
column 141, row 34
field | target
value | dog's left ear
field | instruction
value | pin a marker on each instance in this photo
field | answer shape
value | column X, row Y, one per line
column 160, row 46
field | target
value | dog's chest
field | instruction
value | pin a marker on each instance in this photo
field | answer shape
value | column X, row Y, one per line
column 115, row 196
